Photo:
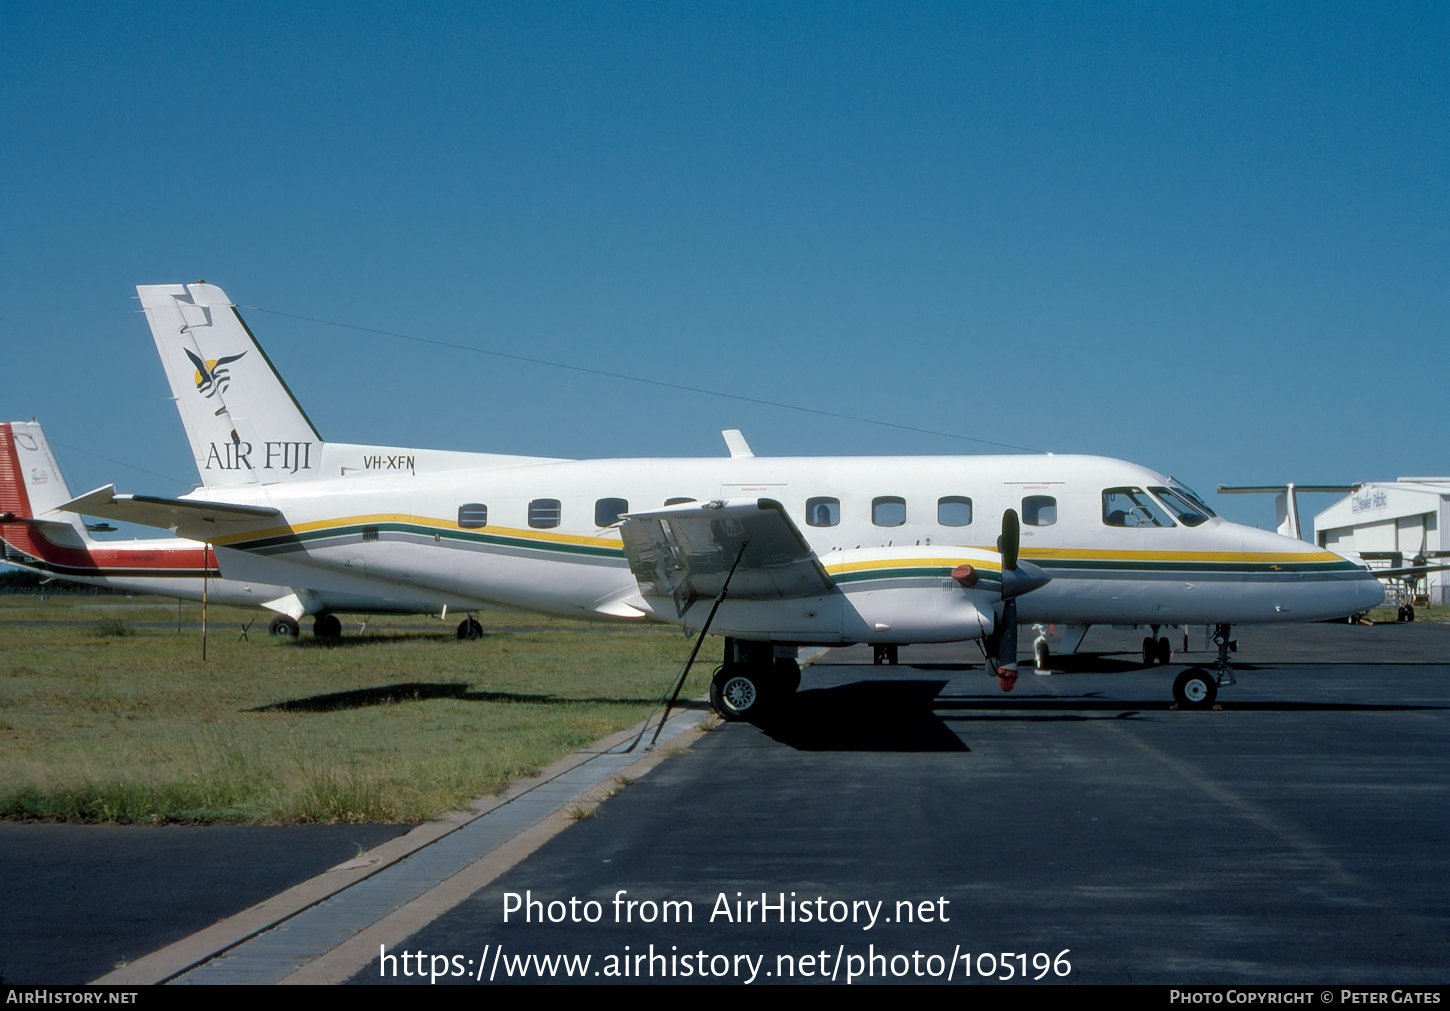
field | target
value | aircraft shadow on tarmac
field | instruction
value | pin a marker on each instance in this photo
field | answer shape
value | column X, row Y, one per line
column 865, row 716
column 418, row 691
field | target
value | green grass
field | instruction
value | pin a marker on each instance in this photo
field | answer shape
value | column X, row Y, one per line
column 1432, row 612
column 111, row 719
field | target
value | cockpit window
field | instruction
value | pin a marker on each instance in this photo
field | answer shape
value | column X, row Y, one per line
column 1132, row 507
column 1182, row 506
column 1191, row 495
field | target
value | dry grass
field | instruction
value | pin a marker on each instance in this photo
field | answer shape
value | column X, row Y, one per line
column 112, row 718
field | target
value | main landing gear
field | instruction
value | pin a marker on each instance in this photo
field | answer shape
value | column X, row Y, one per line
column 753, row 681
column 1197, row 688
column 1156, row 650
column 284, row 625
column 327, row 626
column 470, row 628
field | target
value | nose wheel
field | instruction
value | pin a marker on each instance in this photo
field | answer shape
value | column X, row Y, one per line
column 1195, row 688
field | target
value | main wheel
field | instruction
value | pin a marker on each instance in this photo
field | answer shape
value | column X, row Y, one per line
column 787, row 675
column 1041, row 653
column 1165, row 651
column 470, row 628
column 1195, row 688
column 1150, row 651
column 327, row 626
column 738, row 692
column 283, row 625
column 1409, row 613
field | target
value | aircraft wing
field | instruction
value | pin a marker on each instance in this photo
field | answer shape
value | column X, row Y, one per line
column 686, row 552
column 166, row 513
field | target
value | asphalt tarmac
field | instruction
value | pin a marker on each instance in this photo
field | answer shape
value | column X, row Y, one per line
column 1077, row 828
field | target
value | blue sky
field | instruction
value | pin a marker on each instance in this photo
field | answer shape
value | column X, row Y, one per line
column 1212, row 239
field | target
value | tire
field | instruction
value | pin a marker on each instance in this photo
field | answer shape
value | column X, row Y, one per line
column 1150, row 651
column 327, row 626
column 1165, row 651
column 787, row 675
column 283, row 625
column 470, row 628
column 739, row 693
column 1409, row 613
column 1195, row 688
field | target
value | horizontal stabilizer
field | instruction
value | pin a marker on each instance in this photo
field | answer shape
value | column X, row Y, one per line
column 166, row 513
column 687, row 552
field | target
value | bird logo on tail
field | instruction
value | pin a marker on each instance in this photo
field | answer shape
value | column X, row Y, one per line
column 212, row 377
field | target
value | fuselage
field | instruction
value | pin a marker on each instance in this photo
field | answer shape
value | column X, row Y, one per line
column 539, row 534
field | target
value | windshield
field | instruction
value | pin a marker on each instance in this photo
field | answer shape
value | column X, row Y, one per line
column 1182, row 489
column 1190, row 511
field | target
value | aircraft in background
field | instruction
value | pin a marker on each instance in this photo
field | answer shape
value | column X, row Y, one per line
column 795, row 551
column 36, row 535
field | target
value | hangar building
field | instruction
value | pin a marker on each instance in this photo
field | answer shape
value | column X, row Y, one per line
column 1389, row 523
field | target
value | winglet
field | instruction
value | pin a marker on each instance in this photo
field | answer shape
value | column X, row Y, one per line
column 735, row 442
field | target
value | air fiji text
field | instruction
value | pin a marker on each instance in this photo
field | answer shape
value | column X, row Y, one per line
column 288, row 456
column 400, row 462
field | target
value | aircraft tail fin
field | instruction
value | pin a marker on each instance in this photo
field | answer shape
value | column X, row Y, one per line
column 31, row 486
column 244, row 424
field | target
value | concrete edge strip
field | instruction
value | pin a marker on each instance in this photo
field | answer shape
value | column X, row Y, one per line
column 353, row 955
column 204, row 945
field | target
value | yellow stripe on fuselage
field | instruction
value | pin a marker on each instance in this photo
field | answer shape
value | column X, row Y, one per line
column 417, row 521
column 911, row 563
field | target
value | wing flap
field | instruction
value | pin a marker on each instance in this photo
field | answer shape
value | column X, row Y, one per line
column 687, row 551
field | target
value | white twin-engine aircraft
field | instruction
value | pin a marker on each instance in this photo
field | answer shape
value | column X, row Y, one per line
column 803, row 551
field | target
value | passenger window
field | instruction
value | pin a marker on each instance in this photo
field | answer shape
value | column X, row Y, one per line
column 954, row 511
column 888, row 511
column 607, row 510
column 679, row 501
column 823, row 512
column 1131, row 507
column 473, row 515
column 544, row 512
column 1039, row 510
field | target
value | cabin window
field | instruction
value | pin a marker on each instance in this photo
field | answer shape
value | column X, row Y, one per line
column 544, row 512
column 1181, row 506
column 370, row 533
column 679, row 501
column 1039, row 510
column 823, row 512
column 1131, row 507
column 888, row 511
column 954, row 511
column 607, row 510
column 473, row 515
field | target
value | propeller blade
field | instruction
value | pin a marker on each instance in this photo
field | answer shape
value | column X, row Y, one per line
column 1007, row 647
column 1010, row 540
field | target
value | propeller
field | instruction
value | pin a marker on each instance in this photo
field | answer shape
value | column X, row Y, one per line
column 1018, row 577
